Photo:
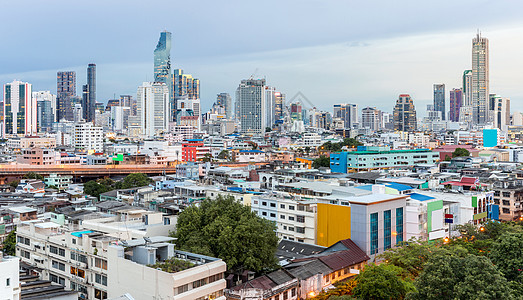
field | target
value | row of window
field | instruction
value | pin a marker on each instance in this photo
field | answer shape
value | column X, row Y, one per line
column 200, row 282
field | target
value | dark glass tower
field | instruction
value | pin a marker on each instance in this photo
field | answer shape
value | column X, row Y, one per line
column 162, row 58
column 65, row 89
column 439, row 99
column 89, row 94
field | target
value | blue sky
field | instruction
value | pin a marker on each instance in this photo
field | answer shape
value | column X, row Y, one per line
column 364, row 52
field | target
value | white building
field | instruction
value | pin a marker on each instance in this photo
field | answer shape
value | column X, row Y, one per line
column 499, row 110
column 88, row 137
column 119, row 118
column 19, row 110
column 152, row 109
column 371, row 118
column 9, row 278
column 480, row 79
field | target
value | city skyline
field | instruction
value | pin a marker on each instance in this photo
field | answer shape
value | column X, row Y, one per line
column 293, row 64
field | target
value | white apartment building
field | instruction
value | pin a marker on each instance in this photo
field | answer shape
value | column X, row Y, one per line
column 419, row 139
column 88, row 137
column 19, row 109
column 310, row 139
column 252, row 113
column 152, row 105
column 9, row 278
column 30, row 142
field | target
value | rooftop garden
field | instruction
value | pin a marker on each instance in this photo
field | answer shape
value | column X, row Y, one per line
column 173, row 265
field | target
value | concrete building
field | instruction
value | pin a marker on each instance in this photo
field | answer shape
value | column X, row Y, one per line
column 9, row 277
column 19, row 109
column 46, row 110
column 61, row 182
column 66, row 90
column 225, row 100
column 405, row 114
column 348, row 113
column 456, row 102
column 250, row 96
column 499, row 111
column 371, row 118
column 370, row 158
column 88, row 138
column 89, row 94
column 480, row 79
column 183, row 86
column 36, row 156
column 509, row 196
column 152, row 109
column 30, row 142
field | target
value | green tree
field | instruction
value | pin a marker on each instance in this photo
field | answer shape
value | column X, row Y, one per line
column 133, row 180
column 382, row 281
column 454, row 277
column 322, row 161
column 9, row 244
column 206, row 158
column 507, row 254
column 460, row 152
column 94, row 189
column 226, row 229
column 268, row 129
column 224, row 154
column 307, row 149
column 33, row 175
column 14, row 183
column 351, row 143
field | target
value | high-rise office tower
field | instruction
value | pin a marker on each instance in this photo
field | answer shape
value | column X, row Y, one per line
column 279, row 101
column 405, row 114
column 371, row 118
column 456, row 101
column 182, row 86
column 251, row 100
column 89, row 94
column 20, row 109
column 480, row 79
column 296, row 111
column 348, row 113
column 467, row 88
column 65, row 90
column 162, row 58
column 439, row 99
column 270, row 105
column 499, row 109
column 152, row 108
column 128, row 101
column 225, row 100
column 45, row 110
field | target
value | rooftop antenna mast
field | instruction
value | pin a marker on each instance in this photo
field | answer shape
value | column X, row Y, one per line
column 253, row 74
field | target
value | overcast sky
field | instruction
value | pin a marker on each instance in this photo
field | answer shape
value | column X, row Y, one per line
column 364, row 52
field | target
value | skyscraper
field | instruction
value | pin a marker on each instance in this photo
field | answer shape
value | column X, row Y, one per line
column 371, row 118
column 182, row 86
column 152, row 115
column 162, row 58
column 270, row 105
column 89, row 94
column 456, row 100
column 467, row 88
column 296, row 111
column 251, row 99
column 46, row 110
column 20, row 109
column 65, row 90
column 279, row 100
column 480, row 79
column 499, row 109
column 405, row 114
column 439, row 99
column 128, row 101
column 225, row 100
column 348, row 113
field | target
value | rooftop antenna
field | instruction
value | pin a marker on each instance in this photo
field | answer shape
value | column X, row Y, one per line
column 253, row 74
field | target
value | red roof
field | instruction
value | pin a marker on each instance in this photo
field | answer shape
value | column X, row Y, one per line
column 464, row 181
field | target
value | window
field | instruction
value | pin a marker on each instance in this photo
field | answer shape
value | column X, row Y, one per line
column 101, row 279
column 25, row 254
column 78, row 272
column 74, row 241
column 285, row 295
column 264, row 213
column 387, row 226
column 300, row 229
column 293, row 292
column 264, row 203
column 506, row 202
column 100, row 263
column 8, row 282
column 182, row 289
column 255, row 201
column 300, row 219
column 282, row 217
column 282, row 206
column 399, row 225
column 273, row 215
column 199, row 283
column 273, row 204
column 291, row 218
column 58, row 265
column 374, row 233
column 291, row 207
column 214, row 278
column 291, row 228
column 78, row 257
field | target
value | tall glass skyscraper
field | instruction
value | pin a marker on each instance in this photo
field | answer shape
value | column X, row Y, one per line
column 480, row 79
column 456, row 101
column 89, row 94
column 405, row 114
column 252, row 112
column 65, row 90
column 19, row 109
column 162, row 58
column 225, row 100
column 439, row 99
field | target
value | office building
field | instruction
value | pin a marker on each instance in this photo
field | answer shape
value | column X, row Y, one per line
column 348, row 113
column 188, row 112
column 225, row 100
column 19, row 109
column 65, row 89
column 128, row 101
column 46, row 110
column 371, row 118
column 183, row 86
column 439, row 99
column 162, row 58
column 119, row 119
column 405, row 114
column 152, row 117
column 467, row 88
column 89, row 94
column 252, row 109
column 374, row 158
column 296, row 111
column 279, row 104
column 480, row 79
column 499, row 111
column 456, row 101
